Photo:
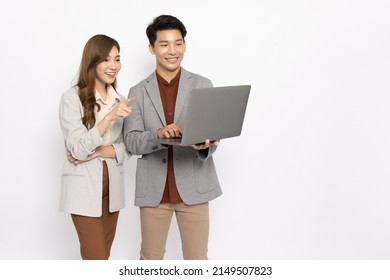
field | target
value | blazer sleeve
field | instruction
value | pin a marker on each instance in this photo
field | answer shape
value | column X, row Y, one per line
column 135, row 134
column 80, row 141
column 205, row 154
column 121, row 152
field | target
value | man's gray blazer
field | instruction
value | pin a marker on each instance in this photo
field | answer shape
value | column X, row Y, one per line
column 195, row 174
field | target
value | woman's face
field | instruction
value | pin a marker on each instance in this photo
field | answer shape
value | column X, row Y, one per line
column 107, row 70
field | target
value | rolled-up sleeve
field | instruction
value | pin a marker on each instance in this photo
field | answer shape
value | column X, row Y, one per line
column 121, row 152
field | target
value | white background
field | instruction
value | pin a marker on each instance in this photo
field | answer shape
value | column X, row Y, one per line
column 307, row 179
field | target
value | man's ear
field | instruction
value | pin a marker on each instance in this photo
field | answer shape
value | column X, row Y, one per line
column 151, row 49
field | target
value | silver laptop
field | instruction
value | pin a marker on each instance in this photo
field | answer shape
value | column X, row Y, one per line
column 212, row 113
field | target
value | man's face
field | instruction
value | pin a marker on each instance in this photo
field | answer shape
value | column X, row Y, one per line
column 169, row 50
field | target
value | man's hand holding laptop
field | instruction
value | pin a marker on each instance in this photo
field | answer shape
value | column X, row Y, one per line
column 174, row 131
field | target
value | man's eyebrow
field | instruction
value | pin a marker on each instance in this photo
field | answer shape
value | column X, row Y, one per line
column 166, row 41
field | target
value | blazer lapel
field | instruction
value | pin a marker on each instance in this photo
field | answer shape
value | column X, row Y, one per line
column 182, row 95
column 154, row 95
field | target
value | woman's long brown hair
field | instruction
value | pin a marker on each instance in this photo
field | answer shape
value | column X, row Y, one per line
column 96, row 50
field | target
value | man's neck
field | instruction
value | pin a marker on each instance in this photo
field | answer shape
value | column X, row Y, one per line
column 168, row 75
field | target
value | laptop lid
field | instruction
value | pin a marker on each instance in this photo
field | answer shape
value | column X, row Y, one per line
column 213, row 113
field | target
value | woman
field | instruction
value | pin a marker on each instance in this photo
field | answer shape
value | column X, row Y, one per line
column 91, row 118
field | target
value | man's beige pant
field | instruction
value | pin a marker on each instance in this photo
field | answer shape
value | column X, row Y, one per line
column 193, row 222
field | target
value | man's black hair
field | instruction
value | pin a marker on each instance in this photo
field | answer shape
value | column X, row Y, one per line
column 164, row 22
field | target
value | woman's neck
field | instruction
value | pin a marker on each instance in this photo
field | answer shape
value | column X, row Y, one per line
column 102, row 89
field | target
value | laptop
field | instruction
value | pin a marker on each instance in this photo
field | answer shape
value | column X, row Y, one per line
column 212, row 113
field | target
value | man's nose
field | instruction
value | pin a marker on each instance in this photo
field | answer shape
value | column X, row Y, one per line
column 172, row 49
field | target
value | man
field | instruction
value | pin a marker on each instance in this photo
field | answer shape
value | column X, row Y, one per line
column 169, row 179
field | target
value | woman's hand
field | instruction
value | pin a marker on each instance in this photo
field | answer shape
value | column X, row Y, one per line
column 122, row 110
column 101, row 151
column 77, row 161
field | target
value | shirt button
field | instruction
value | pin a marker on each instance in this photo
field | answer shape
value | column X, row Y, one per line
column 164, row 160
